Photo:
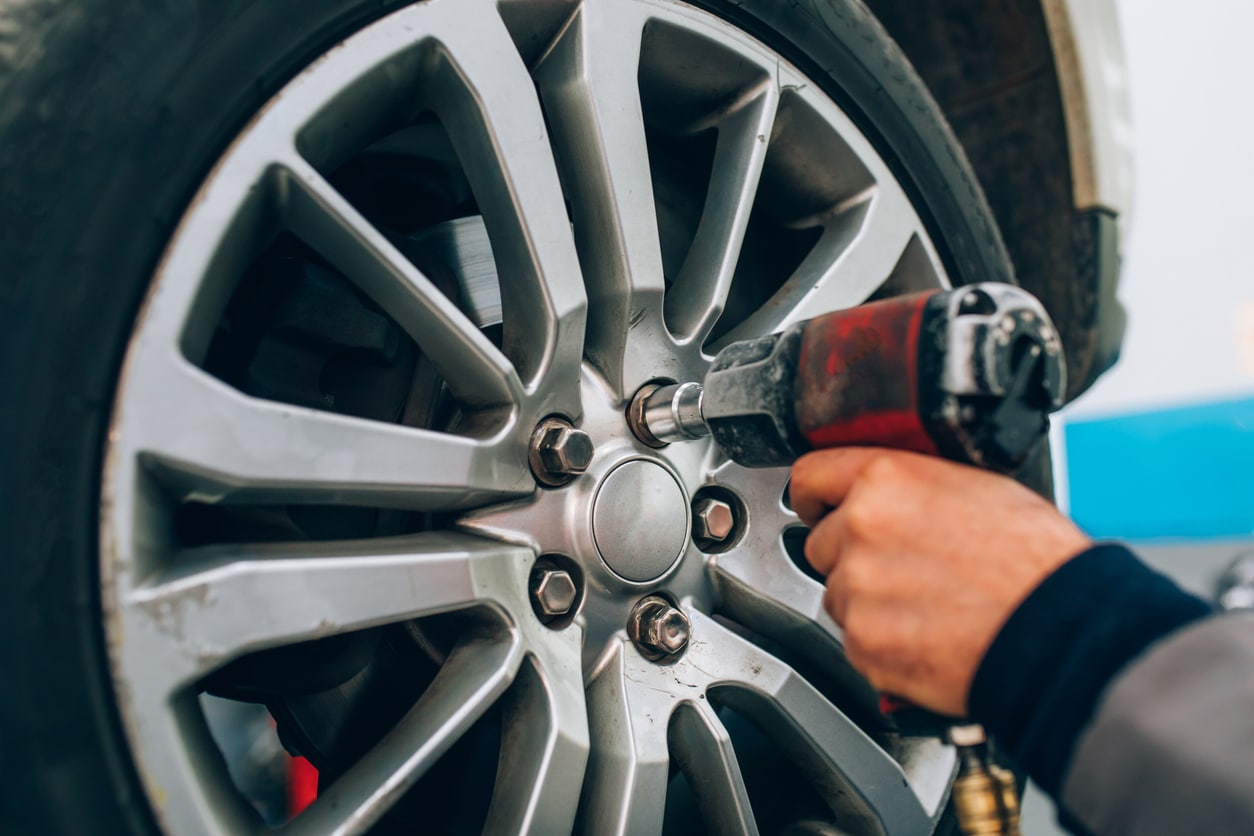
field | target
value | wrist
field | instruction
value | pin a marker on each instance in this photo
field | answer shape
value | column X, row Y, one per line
column 1038, row 683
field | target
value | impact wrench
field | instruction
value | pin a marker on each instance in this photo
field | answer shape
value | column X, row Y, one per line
column 970, row 374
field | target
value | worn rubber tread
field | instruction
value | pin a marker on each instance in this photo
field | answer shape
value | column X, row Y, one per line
column 111, row 112
column 841, row 45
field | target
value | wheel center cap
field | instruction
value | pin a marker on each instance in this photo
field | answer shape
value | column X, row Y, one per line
column 640, row 520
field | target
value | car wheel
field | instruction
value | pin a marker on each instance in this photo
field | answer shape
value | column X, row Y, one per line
column 321, row 325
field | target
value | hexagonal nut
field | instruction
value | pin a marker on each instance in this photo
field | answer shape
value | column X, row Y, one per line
column 713, row 519
column 668, row 631
column 565, row 450
column 555, row 591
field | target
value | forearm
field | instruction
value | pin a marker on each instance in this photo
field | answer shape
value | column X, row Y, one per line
column 1063, row 688
column 1041, row 678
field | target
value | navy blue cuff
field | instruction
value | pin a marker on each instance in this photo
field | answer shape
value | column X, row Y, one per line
column 1040, row 681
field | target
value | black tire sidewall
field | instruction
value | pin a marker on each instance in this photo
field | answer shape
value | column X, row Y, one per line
column 842, row 47
column 111, row 114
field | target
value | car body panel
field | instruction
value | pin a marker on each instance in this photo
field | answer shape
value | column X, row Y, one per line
column 1093, row 80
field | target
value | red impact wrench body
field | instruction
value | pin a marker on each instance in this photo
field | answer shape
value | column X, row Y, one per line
column 970, row 374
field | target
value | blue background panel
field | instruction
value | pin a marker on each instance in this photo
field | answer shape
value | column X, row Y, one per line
column 1185, row 473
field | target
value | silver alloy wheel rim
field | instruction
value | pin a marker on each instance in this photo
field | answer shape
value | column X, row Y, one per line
column 588, row 321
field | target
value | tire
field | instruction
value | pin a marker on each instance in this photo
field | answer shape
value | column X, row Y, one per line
column 861, row 68
column 111, row 117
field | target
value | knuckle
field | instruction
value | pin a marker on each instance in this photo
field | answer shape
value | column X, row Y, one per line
column 862, row 516
column 856, row 634
column 882, row 469
column 802, row 475
column 834, row 601
column 863, row 657
column 829, row 603
column 857, row 576
column 824, row 546
column 868, row 633
column 815, row 555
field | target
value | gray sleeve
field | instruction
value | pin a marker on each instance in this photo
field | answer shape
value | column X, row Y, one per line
column 1170, row 749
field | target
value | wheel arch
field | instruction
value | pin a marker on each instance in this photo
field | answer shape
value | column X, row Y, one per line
column 1017, row 81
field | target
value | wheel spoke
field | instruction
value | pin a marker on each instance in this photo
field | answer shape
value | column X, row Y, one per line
column 588, row 82
column 211, row 443
column 855, row 255
column 766, row 592
column 490, row 107
column 542, row 767
column 232, row 600
column 866, row 789
column 629, row 767
column 704, row 751
column 699, row 293
column 759, row 586
column 474, row 369
column 477, row 672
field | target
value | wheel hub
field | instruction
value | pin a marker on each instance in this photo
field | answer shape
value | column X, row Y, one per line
column 626, row 521
column 640, row 520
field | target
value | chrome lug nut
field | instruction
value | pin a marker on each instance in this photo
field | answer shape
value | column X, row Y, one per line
column 658, row 628
column 712, row 519
column 553, row 591
column 559, row 452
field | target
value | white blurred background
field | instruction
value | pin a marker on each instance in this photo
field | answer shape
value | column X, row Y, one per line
column 1188, row 277
column 1188, row 273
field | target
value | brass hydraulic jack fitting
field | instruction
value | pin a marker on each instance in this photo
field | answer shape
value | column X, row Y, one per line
column 985, row 797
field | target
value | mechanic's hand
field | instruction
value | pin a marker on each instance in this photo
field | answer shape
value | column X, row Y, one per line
column 925, row 560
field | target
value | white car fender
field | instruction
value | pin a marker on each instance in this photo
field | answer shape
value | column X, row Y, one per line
column 1092, row 75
